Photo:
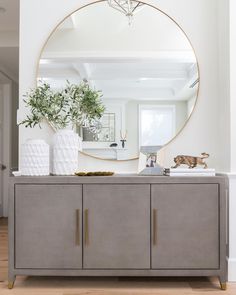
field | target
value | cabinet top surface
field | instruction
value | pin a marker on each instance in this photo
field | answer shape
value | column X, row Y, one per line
column 116, row 179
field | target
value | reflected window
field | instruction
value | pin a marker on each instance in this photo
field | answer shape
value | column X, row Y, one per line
column 106, row 132
column 157, row 124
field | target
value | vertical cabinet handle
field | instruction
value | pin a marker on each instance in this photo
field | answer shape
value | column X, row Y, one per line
column 154, row 221
column 77, row 227
column 86, row 226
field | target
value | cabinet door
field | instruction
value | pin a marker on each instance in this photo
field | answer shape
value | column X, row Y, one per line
column 185, row 226
column 116, row 226
column 48, row 222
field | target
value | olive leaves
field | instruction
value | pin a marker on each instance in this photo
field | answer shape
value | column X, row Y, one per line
column 74, row 105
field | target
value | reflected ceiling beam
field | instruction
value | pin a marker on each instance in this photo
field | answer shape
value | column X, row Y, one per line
column 124, row 99
column 73, row 20
column 122, row 56
column 156, row 76
column 187, row 92
column 152, row 94
column 190, row 88
column 140, row 76
column 193, row 71
column 84, row 72
column 145, row 81
column 122, row 71
column 80, row 70
column 68, row 23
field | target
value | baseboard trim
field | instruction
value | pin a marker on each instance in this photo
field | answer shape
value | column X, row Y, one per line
column 232, row 269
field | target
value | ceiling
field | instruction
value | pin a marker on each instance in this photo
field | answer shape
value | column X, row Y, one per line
column 126, row 78
column 149, row 60
column 9, row 38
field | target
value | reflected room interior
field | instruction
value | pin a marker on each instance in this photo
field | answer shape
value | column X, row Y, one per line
column 146, row 70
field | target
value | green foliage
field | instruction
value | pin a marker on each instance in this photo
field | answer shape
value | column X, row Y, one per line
column 73, row 105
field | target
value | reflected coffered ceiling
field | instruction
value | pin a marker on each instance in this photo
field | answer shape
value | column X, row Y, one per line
column 150, row 59
column 126, row 77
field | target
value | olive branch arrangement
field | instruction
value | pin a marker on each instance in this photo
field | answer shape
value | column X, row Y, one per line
column 73, row 105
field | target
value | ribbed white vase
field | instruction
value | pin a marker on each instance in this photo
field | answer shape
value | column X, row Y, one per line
column 65, row 152
column 35, row 158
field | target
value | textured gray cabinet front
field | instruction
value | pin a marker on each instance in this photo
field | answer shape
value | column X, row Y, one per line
column 185, row 226
column 116, row 226
column 48, row 225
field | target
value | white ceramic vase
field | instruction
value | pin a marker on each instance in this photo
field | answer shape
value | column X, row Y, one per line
column 65, row 152
column 35, row 158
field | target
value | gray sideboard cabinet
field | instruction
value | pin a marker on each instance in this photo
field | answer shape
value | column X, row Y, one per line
column 125, row 225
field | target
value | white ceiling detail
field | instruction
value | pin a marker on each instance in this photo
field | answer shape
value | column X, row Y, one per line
column 150, row 60
column 127, row 77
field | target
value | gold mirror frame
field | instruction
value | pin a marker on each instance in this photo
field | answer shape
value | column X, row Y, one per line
column 175, row 22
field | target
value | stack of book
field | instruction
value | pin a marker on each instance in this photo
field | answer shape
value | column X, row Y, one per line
column 189, row 172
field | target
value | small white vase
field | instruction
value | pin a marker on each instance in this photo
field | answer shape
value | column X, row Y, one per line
column 65, row 152
column 35, row 158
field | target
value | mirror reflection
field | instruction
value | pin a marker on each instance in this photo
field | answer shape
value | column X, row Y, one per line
column 145, row 68
column 105, row 132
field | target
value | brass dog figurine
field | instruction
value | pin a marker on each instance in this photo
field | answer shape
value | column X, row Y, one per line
column 191, row 161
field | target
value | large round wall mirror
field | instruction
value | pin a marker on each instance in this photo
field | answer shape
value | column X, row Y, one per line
column 145, row 68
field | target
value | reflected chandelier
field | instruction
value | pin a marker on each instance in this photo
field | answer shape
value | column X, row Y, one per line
column 128, row 7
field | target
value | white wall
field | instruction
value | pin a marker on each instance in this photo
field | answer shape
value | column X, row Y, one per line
column 227, row 76
column 198, row 18
column 232, row 19
column 224, row 86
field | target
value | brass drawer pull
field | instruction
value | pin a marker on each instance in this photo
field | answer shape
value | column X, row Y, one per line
column 77, row 227
column 86, row 232
column 154, row 227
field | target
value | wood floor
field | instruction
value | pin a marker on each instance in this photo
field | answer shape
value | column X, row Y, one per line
column 104, row 286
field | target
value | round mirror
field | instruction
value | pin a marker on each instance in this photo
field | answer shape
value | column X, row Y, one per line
column 144, row 66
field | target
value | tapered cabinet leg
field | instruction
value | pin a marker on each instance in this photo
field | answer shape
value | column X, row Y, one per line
column 223, row 282
column 223, row 286
column 11, row 282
